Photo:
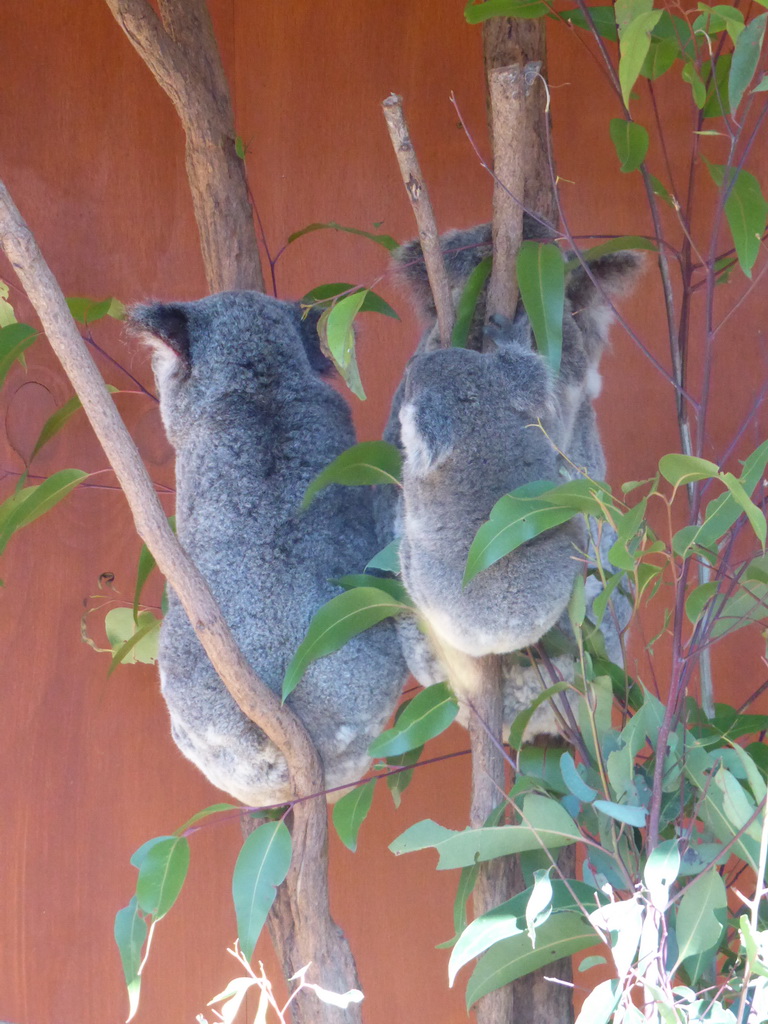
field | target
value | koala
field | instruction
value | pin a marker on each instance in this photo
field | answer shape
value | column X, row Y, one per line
column 252, row 421
column 568, row 418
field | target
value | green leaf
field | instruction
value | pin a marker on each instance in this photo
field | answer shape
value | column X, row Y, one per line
column 753, row 512
column 239, row 147
column 684, row 469
column 747, row 606
column 698, row 599
column 421, row 836
column 33, row 502
column 130, row 936
column 716, row 102
column 388, row 559
column 762, row 85
column 145, row 566
column 467, row 304
column 622, row 812
column 548, row 826
column 691, row 75
column 350, row 812
column 206, row 811
column 476, row 13
column 700, row 918
column 574, row 781
column 513, row 521
column 745, row 210
column 601, row 1002
column 521, row 721
column 161, row 875
column 388, row 584
column 661, row 870
column 398, row 782
column 618, row 244
column 660, row 190
column 387, row 241
column 508, row 920
column 725, row 808
column 7, row 315
column 369, row 462
column 141, row 642
column 634, row 41
column 54, row 423
column 541, row 279
column 261, row 866
column 335, row 623
column 87, row 311
column 426, row 716
column 338, row 338
column 720, row 18
column 746, row 55
column 630, row 141
column 603, row 18
column 539, row 906
column 562, row 935
column 15, row 339
column 661, row 56
column 325, row 293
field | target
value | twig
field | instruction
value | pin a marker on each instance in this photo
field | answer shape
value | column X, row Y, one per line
column 422, row 211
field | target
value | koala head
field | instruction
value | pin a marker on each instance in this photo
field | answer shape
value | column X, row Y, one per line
column 452, row 397
column 233, row 342
column 588, row 310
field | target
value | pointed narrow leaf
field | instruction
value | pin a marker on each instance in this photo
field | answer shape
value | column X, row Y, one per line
column 350, row 812
column 630, row 141
column 476, row 13
column 87, row 311
column 338, row 337
column 661, row 56
column 753, row 512
column 574, row 781
column 388, row 559
column 39, row 500
column 700, row 916
column 746, row 211
column 427, row 715
column 684, row 469
column 146, row 565
column 370, row 462
column 746, row 55
column 384, row 240
column 325, row 293
column 541, row 278
column 261, row 866
column 562, row 935
column 130, row 936
column 698, row 599
column 614, row 245
column 521, row 721
column 421, row 836
column 206, row 811
column 622, row 812
column 508, row 920
column 147, row 634
column 465, row 310
column 603, row 18
column 394, row 587
column 161, row 876
column 54, row 423
column 335, row 623
column 15, row 339
column 634, row 44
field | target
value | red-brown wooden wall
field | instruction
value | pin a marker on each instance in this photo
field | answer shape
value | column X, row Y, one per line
column 93, row 154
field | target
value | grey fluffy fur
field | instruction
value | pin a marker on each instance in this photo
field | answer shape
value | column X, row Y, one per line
column 253, row 423
column 481, row 447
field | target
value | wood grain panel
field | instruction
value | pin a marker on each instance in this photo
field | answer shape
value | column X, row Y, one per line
column 94, row 156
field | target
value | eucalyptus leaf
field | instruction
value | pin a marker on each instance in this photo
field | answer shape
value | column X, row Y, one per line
column 369, row 462
column 746, row 55
column 601, row 16
column 262, row 865
column 130, row 935
column 338, row 338
column 386, row 241
column 335, row 623
column 630, row 141
column 700, row 918
column 475, row 13
column 467, row 304
column 33, row 502
column 541, row 279
column 350, row 812
column 426, row 716
column 161, row 875
column 634, row 44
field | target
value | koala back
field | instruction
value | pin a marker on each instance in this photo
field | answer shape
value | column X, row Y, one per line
column 252, row 424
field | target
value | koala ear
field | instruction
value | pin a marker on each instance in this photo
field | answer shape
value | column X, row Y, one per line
column 616, row 275
column 308, row 321
column 163, row 326
column 426, row 433
column 462, row 251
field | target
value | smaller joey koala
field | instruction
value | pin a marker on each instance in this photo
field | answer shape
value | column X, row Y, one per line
column 568, row 417
column 252, row 421
column 469, row 434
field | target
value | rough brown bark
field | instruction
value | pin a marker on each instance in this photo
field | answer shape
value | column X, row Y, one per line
column 181, row 52
column 416, row 188
column 508, row 41
column 310, row 932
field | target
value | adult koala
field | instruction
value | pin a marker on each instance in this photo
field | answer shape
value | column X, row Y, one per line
column 252, row 421
column 462, row 421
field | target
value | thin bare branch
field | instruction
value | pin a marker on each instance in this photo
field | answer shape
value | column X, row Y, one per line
column 422, row 211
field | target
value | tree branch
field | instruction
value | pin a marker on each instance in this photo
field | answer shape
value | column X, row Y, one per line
column 315, row 936
column 416, row 188
column 181, row 53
